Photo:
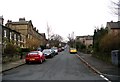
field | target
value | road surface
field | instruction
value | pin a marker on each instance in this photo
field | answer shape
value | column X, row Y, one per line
column 64, row 66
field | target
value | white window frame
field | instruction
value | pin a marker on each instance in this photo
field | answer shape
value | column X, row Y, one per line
column 5, row 33
column 28, row 36
column 15, row 37
column 18, row 38
column 10, row 35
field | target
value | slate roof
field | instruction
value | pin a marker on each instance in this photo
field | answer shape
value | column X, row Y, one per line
column 114, row 25
column 89, row 37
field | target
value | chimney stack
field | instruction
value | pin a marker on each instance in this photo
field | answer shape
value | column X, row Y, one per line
column 9, row 21
column 21, row 19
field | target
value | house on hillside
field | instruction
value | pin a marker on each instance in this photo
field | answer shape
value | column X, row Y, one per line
column 113, row 27
column 86, row 40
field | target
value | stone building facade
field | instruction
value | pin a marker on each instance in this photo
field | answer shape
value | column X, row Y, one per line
column 113, row 27
column 86, row 40
column 32, row 37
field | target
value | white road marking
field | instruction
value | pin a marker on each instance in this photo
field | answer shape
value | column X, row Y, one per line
column 105, row 78
column 94, row 69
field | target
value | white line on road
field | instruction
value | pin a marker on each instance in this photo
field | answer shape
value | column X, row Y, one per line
column 94, row 69
column 105, row 78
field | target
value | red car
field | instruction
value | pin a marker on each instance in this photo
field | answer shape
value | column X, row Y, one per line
column 35, row 56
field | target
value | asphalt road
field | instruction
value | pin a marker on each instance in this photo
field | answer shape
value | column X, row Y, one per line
column 64, row 66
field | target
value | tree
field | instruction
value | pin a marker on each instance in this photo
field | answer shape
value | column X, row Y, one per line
column 71, row 39
column 110, row 42
column 33, row 43
column 48, row 31
column 98, row 35
column 116, row 8
column 55, row 39
column 80, row 46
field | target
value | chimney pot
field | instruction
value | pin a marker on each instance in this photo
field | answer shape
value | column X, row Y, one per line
column 21, row 19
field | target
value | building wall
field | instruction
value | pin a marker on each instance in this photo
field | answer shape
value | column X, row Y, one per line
column 19, row 28
column 0, row 41
column 26, row 28
column 10, row 36
column 87, row 40
column 115, row 31
column 1, row 20
column 113, row 27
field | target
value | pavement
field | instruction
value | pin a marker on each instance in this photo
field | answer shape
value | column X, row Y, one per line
column 11, row 65
column 108, row 70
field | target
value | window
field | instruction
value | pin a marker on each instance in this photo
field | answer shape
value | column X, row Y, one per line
column 18, row 44
column 5, row 33
column 28, row 36
column 10, row 35
column 14, row 36
column 18, row 38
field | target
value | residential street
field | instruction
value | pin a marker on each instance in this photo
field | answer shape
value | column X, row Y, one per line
column 64, row 66
column 60, row 40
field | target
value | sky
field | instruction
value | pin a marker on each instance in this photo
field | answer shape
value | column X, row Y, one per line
column 62, row 16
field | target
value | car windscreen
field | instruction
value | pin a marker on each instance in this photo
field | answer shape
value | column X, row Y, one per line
column 32, row 53
column 54, row 48
column 46, row 51
column 72, row 49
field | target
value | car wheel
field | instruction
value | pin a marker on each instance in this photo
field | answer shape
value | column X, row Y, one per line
column 41, row 61
column 44, row 60
column 50, row 56
column 27, row 62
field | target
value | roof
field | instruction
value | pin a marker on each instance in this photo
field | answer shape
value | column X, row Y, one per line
column 113, row 25
column 43, row 34
column 86, row 37
column 21, row 21
column 10, row 29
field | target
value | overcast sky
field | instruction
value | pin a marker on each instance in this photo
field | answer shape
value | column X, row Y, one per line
column 63, row 16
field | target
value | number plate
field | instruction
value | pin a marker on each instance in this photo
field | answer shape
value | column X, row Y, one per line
column 32, row 59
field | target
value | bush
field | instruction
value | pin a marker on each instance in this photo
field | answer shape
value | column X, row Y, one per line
column 80, row 46
column 110, row 42
column 7, row 59
column 10, row 49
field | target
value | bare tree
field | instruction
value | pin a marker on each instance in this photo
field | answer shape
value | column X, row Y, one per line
column 48, row 31
column 55, row 40
column 71, row 41
column 116, row 8
column 71, row 36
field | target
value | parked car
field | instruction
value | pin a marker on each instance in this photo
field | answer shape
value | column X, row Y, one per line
column 55, row 49
column 59, row 49
column 39, row 49
column 63, row 48
column 48, row 53
column 73, row 50
column 35, row 56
